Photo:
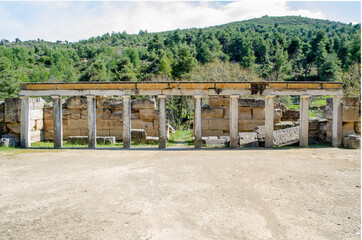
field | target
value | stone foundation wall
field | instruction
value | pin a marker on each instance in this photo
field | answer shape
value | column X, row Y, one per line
column 351, row 119
column 215, row 115
column 109, row 117
column 10, row 118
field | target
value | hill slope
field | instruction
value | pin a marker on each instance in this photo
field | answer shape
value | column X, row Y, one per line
column 275, row 48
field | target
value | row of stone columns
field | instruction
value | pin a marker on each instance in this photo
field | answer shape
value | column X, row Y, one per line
column 269, row 121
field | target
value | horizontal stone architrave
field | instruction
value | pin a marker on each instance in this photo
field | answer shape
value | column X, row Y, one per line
column 180, row 88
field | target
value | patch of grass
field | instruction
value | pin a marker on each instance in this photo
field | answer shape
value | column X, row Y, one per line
column 183, row 137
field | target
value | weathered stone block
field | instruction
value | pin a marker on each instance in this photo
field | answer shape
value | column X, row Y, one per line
column 290, row 115
column 348, row 128
column 77, row 124
column 253, row 103
column 138, row 134
column 139, row 124
column 36, row 114
column 48, row 135
column 48, row 124
column 148, row 114
column 2, row 117
column 215, row 142
column 219, row 124
column 248, row 139
column 36, row 136
column 152, row 133
column 83, row 140
column 138, row 104
column 283, row 125
column 9, row 142
column 103, row 124
column 12, row 109
column 219, row 101
column 226, row 112
column 76, row 103
column 48, row 113
column 249, row 125
column 103, row 113
column 205, row 124
column 208, row 132
column 212, row 113
column 357, row 127
column 352, row 142
column 313, row 124
column 110, row 103
column 351, row 114
column 36, row 103
column 14, row 127
column 118, row 133
column 245, row 113
column 135, row 115
column 73, row 132
column 103, row 132
column 118, row 115
column 258, row 113
column 351, row 102
column 285, row 137
column 37, row 125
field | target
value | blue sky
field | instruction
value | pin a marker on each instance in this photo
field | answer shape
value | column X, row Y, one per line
column 73, row 21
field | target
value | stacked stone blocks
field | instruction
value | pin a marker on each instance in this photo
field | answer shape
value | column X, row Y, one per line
column 109, row 117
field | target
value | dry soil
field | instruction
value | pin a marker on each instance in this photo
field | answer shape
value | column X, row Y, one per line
column 174, row 194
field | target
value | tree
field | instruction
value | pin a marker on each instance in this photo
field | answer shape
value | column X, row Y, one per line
column 280, row 61
column 330, row 70
column 184, row 62
column 204, row 54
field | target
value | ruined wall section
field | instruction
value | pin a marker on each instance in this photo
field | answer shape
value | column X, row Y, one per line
column 109, row 117
column 216, row 115
column 351, row 119
column 10, row 119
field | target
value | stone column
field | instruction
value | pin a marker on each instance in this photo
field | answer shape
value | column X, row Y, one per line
column 162, row 133
column 198, row 121
column 92, row 135
column 337, row 136
column 126, row 114
column 234, row 114
column 303, row 120
column 25, row 123
column 57, row 122
column 269, row 120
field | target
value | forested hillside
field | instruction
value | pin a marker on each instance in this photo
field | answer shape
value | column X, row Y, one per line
column 267, row 48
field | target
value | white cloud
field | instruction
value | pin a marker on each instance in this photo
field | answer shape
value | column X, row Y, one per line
column 80, row 20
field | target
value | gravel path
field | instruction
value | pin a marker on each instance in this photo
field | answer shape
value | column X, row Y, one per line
column 180, row 194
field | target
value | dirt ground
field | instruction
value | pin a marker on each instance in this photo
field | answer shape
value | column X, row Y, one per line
column 180, row 194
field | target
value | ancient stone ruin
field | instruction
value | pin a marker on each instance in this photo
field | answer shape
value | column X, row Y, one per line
column 226, row 118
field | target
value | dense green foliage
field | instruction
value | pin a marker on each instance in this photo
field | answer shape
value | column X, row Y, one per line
column 272, row 48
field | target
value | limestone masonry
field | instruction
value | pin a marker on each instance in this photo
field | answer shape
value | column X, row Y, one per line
column 215, row 117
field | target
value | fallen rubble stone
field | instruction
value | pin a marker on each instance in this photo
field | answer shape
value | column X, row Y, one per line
column 248, row 139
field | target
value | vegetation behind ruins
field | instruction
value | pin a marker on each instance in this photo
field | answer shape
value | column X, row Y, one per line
column 268, row 48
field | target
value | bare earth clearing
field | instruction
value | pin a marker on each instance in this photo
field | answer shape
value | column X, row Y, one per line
column 206, row 194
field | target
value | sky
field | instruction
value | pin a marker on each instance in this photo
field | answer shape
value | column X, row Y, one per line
column 74, row 21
